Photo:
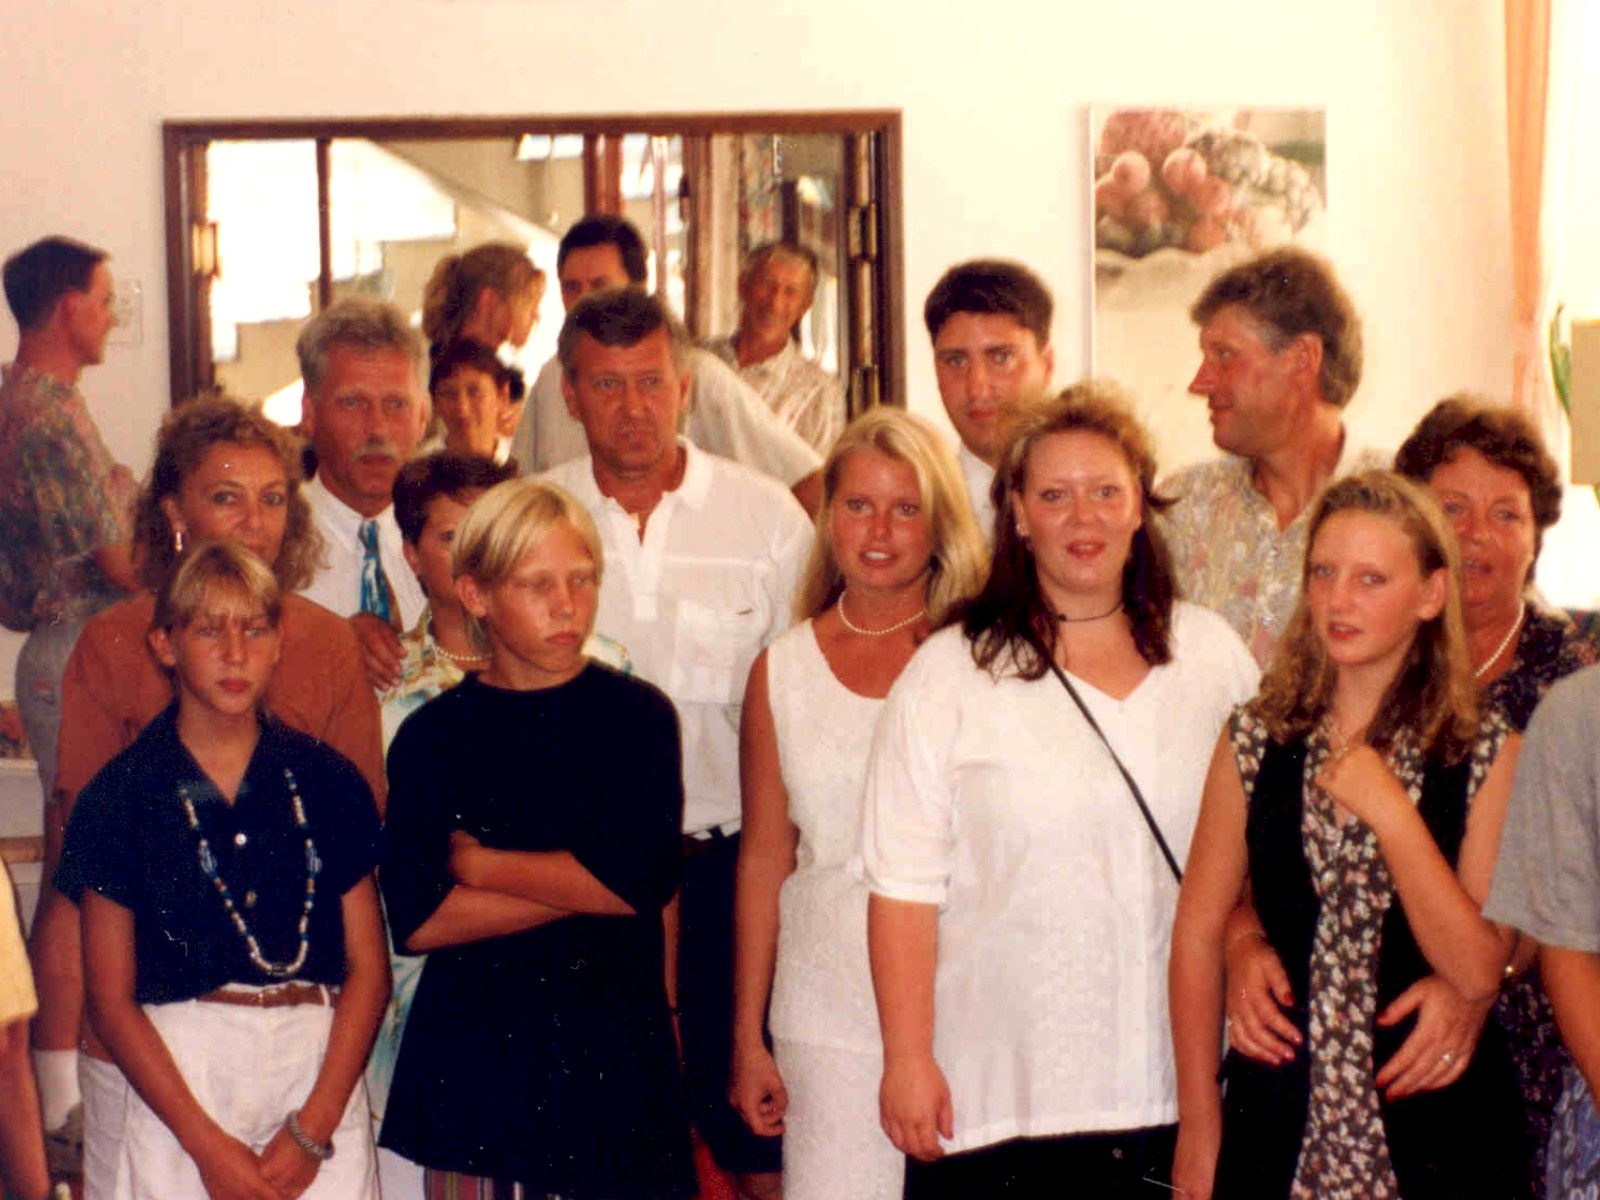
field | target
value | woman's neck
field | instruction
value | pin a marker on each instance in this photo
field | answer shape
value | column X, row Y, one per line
column 1490, row 632
column 1357, row 693
column 878, row 608
column 221, row 743
column 448, row 624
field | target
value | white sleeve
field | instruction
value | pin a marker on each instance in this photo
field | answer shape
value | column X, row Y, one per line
column 791, row 550
column 907, row 817
column 727, row 417
column 547, row 435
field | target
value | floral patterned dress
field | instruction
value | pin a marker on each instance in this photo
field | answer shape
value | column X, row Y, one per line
column 1344, row 1153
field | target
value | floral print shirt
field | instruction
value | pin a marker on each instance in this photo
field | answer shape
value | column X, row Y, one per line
column 801, row 394
column 1228, row 552
column 62, row 497
column 1344, row 1154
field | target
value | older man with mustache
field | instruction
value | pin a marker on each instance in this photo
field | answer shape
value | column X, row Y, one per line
column 364, row 413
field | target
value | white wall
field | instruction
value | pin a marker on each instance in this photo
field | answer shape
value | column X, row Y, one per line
column 995, row 130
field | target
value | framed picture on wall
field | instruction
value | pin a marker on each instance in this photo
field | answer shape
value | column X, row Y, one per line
column 1179, row 195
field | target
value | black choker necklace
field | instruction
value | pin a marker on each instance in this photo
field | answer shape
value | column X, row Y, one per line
column 1063, row 619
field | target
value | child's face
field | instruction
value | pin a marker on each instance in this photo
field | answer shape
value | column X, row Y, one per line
column 223, row 656
column 430, row 557
column 540, row 615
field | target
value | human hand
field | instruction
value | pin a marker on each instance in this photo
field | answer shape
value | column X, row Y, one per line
column 381, row 653
column 1194, row 1161
column 230, row 1170
column 288, row 1167
column 1439, row 1047
column 1257, row 993
column 464, row 849
column 1362, row 784
column 914, row 1106
column 755, row 1089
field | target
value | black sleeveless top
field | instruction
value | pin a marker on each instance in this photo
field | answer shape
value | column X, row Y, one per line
column 1456, row 1143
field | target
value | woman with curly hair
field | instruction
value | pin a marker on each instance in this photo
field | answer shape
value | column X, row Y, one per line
column 1032, row 786
column 222, row 472
column 1360, row 799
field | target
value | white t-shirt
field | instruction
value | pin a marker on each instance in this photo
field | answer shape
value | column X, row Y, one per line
column 994, row 800
column 337, row 585
column 725, row 416
column 710, row 586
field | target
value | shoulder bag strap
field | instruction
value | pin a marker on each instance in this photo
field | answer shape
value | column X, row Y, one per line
column 1138, row 796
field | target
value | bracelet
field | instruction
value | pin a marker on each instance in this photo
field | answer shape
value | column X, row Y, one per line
column 1255, row 931
column 301, row 1138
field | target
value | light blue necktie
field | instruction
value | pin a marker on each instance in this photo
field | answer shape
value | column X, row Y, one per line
column 374, row 583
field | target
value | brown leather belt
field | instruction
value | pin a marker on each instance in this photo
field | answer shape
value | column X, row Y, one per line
column 284, row 996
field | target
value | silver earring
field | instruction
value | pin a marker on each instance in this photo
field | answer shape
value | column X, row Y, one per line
column 177, row 541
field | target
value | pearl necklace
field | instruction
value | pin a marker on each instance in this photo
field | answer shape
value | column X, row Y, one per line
column 208, row 868
column 460, row 660
column 1522, row 609
column 884, row 632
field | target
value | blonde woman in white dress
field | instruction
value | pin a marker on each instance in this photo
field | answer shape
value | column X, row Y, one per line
column 896, row 548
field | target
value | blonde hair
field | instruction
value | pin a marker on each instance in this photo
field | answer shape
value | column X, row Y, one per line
column 506, row 524
column 211, row 568
column 1434, row 690
column 959, row 560
column 458, row 280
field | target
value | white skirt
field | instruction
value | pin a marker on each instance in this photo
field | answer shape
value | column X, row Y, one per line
column 248, row 1068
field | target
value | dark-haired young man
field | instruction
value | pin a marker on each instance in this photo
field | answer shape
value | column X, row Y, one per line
column 990, row 324
column 723, row 414
column 65, row 528
column 1280, row 346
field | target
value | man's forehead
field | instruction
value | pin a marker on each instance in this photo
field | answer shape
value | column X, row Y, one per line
column 654, row 347
column 1235, row 325
column 968, row 329
column 587, row 261
column 360, row 369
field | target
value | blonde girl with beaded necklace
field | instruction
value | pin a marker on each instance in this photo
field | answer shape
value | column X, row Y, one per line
column 233, row 945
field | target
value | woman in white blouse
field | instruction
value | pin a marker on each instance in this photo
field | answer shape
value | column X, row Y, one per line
column 896, row 549
column 1022, row 885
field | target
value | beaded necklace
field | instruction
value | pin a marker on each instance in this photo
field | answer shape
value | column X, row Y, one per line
column 208, row 868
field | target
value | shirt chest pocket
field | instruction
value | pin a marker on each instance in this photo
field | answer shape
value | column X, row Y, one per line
column 714, row 647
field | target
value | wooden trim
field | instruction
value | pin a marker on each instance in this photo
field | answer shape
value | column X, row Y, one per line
column 180, row 137
column 891, row 256
column 400, row 128
column 324, row 223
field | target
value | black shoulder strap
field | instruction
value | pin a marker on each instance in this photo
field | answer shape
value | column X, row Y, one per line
column 1138, row 796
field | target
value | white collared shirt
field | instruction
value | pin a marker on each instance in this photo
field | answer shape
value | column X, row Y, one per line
column 708, row 588
column 337, row 584
column 979, row 477
column 725, row 416
column 801, row 394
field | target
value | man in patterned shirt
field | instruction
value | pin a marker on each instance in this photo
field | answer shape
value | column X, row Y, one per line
column 1280, row 346
column 776, row 289
column 65, row 527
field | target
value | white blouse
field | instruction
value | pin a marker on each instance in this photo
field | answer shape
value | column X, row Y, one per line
column 994, row 800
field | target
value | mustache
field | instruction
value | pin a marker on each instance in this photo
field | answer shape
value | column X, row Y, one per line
column 378, row 448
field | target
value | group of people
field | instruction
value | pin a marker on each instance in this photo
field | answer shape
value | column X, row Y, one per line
column 894, row 821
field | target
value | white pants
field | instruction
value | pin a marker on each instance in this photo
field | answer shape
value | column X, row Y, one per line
column 105, row 1110
column 248, row 1068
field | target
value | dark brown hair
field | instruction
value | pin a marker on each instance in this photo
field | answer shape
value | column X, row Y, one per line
column 1503, row 435
column 1288, row 292
column 991, row 285
column 1010, row 619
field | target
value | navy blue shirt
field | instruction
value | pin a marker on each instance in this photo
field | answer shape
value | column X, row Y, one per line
column 130, row 841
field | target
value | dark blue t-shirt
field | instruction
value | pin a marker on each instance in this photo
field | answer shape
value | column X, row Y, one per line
column 130, row 841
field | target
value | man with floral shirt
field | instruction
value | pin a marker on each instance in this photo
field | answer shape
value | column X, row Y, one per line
column 65, row 528
column 1280, row 346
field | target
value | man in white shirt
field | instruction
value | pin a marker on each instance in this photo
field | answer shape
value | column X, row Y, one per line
column 364, row 413
column 723, row 414
column 990, row 324
column 776, row 289
column 702, row 559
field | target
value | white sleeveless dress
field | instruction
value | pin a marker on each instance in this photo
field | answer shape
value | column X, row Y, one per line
column 823, row 1020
